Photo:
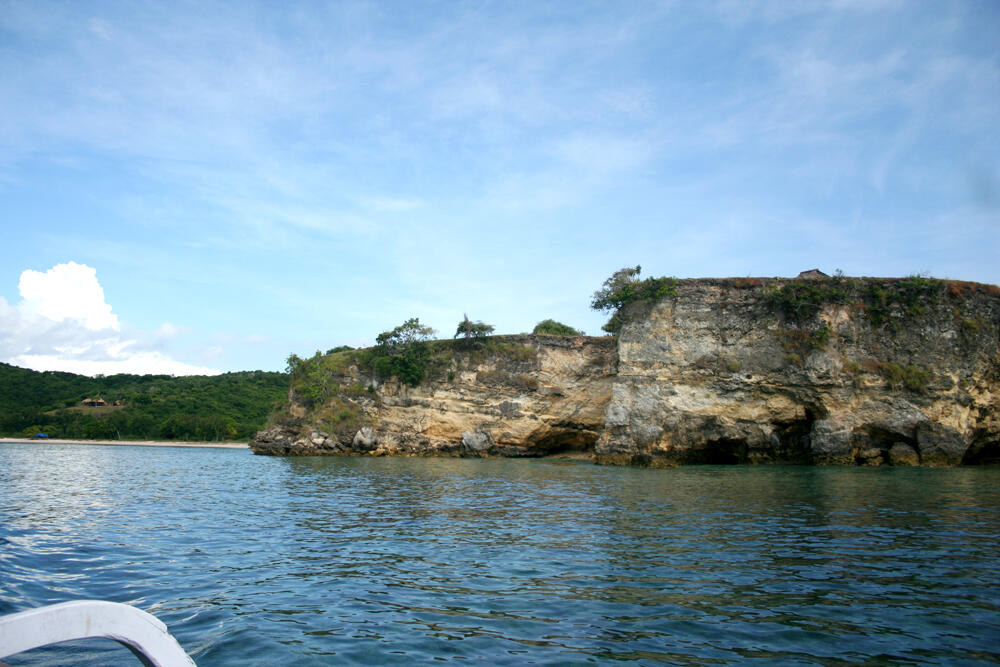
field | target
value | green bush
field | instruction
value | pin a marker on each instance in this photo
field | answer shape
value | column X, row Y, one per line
column 800, row 300
column 887, row 300
column 553, row 328
column 403, row 352
column 623, row 288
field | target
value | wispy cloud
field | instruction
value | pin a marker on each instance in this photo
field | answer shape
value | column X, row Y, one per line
column 332, row 168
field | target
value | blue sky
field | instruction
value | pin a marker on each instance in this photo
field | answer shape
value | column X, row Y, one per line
column 223, row 184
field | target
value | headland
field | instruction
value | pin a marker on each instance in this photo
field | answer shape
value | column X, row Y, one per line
column 813, row 370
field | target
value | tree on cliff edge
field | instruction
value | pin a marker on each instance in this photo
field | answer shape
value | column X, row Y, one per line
column 409, row 332
column 472, row 330
column 623, row 288
column 403, row 352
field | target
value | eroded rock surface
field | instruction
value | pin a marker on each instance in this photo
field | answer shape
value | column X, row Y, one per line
column 527, row 396
column 716, row 374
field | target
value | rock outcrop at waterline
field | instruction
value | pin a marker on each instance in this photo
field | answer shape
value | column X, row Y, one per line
column 828, row 371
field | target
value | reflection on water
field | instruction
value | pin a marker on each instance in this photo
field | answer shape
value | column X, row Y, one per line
column 307, row 560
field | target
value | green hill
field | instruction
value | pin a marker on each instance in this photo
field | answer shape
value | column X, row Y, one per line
column 232, row 406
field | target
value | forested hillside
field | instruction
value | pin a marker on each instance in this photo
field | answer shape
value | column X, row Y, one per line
column 221, row 407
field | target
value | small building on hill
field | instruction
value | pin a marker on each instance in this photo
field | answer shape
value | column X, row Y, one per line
column 812, row 274
column 95, row 402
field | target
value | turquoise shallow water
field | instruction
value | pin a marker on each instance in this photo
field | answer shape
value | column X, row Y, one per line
column 299, row 561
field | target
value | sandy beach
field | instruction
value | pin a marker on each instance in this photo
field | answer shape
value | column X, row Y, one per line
column 138, row 443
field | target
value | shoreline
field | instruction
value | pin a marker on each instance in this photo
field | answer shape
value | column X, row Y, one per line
column 135, row 443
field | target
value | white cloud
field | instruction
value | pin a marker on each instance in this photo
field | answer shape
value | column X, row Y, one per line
column 144, row 363
column 63, row 323
column 67, row 292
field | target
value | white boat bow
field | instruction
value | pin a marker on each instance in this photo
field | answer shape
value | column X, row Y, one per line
column 144, row 634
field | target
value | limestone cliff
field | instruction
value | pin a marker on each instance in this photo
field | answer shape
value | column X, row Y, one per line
column 833, row 371
column 507, row 396
column 863, row 371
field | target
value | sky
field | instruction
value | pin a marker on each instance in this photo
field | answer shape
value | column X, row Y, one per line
column 202, row 187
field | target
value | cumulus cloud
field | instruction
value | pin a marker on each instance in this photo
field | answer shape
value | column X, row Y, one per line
column 64, row 323
column 67, row 292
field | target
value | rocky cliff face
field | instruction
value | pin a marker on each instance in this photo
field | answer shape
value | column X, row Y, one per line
column 511, row 396
column 864, row 372
column 899, row 372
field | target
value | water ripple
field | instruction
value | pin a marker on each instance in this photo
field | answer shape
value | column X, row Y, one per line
column 255, row 560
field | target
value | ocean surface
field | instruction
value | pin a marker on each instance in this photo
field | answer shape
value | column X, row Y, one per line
column 313, row 561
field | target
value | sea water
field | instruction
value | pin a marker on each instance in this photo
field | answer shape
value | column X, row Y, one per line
column 301, row 561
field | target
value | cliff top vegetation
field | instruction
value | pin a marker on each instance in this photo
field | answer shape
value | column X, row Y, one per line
column 408, row 353
column 887, row 302
column 624, row 288
column 553, row 328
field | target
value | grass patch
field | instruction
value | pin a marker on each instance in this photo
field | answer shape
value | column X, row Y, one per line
column 800, row 343
column 340, row 417
column 969, row 329
column 909, row 377
column 746, row 283
column 499, row 349
column 888, row 301
column 851, row 367
column 519, row 381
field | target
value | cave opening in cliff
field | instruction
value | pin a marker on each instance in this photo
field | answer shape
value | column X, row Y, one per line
column 724, row 451
column 983, row 454
column 567, row 441
column 794, row 440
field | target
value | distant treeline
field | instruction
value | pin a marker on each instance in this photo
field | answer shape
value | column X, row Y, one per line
column 156, row 407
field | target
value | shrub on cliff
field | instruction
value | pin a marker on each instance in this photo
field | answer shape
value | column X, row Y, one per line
column 472, row 330
column 624, row 288
column 800, row 300
column 403, row 352
column 409, row 332
column 553, row 328
column 887, row 302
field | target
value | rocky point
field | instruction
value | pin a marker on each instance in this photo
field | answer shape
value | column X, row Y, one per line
column 815, row 371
